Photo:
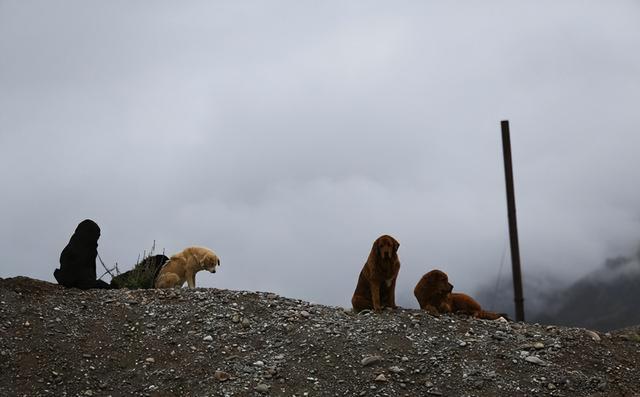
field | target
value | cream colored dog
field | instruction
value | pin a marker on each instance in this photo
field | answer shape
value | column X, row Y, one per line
column 184, row 265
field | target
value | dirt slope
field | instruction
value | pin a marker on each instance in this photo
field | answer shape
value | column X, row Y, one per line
column 210, row 342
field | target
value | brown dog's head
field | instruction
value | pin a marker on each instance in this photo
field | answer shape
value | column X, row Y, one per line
column 210, row 262
column 438, row 284
column 385, row 247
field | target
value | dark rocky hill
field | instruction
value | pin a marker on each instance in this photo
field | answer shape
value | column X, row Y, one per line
column 210, row 342
column 605, row 299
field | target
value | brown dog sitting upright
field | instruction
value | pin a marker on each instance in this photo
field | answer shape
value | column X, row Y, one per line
column 434, row 295
column 377, row 281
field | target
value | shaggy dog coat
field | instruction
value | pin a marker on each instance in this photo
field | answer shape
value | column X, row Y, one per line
column 434, row 295
column 183, row 266
column 377, row 281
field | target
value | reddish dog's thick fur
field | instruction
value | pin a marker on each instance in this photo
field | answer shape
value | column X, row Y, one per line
column 434, row 295
column 377, row 281
column 432, row 292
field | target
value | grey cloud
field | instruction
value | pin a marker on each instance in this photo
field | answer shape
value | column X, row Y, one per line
column 287, row 137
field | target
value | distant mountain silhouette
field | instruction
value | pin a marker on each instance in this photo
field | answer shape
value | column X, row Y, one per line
column 604, row 300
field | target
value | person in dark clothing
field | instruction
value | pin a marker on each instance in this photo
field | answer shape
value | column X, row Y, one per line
column 78, row 258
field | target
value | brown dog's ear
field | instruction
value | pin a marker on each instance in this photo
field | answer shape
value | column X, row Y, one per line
column 375, row 247
column 396, row 244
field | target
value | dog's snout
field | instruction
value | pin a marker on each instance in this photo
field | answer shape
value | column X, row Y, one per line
column 450, row 287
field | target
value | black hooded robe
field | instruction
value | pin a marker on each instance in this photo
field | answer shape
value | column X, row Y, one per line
column 78, row 258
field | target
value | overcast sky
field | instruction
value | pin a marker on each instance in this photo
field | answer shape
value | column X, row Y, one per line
column 288, row 135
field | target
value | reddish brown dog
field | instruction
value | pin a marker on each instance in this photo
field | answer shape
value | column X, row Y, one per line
column 377, row 282
column 434, row 295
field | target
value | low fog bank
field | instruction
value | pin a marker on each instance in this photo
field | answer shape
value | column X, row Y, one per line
column 604, row 299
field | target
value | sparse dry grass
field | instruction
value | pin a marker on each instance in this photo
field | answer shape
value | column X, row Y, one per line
column 142, row 275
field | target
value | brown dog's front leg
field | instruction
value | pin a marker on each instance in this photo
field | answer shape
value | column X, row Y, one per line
column 392, row 295
column 375, row 296
column 431, row 310
column 191, row 280
column 445, row 307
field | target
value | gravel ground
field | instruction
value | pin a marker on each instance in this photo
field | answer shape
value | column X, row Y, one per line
column 211, row 342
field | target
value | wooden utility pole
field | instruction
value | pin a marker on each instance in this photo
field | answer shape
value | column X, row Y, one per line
column 513, row 224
